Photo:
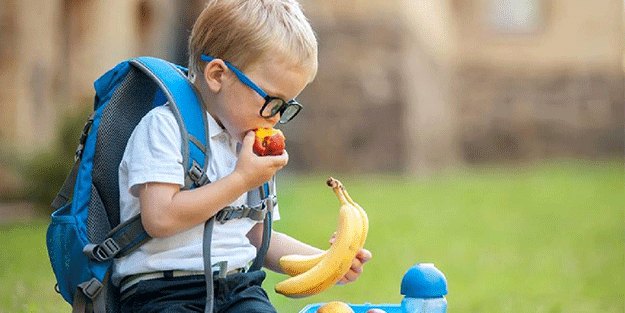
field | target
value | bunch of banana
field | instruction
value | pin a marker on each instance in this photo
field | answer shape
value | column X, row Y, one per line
column 313, row 274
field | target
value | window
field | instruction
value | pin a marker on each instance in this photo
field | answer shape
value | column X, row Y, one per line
column 515, row 16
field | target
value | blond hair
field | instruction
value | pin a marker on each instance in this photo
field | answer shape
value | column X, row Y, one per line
column 247, row 32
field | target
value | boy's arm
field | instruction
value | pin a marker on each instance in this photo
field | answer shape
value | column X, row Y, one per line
column 280, row 244
column 167, row 210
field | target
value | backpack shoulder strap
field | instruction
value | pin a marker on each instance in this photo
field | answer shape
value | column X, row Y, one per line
column 189, row 111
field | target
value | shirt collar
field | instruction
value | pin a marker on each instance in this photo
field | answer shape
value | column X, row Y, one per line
column 214, row 129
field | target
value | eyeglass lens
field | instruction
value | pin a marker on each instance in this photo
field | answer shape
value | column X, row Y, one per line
column 276, row 105
column 289, row 113
column 287, row 110
column 272, row 108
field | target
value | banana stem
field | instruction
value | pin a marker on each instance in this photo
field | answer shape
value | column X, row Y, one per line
column 349, row 199
column 336, row 187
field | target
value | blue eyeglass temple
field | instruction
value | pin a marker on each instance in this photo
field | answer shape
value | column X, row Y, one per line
column 239, row 74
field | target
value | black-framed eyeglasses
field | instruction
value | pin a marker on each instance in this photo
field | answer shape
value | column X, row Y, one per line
column 273, row 105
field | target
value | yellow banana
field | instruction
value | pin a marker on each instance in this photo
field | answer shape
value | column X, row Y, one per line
column 295, row 264
column 337, row 260
column 363, row 216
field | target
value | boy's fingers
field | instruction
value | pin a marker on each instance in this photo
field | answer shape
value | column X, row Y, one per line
column 356, row 266
column 277, row 161
column 356, row 269
column 364, row 255
column 283, row 159
column 333, row 238
column 248, row 141
column 350, row 276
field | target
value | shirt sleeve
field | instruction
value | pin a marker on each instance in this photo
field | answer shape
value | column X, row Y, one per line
column 153, row 152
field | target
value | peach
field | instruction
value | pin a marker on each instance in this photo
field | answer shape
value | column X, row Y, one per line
column 268, row 141
column 335, row 307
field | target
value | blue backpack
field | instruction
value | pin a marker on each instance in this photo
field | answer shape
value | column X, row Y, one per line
column 85, row 234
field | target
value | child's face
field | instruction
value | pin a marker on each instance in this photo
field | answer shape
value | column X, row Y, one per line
column 239, row 110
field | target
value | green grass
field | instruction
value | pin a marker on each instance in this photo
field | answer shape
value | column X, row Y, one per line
column 541, row 238
column 26, row 278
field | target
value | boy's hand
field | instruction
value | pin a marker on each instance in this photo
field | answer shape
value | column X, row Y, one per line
column 354, row 272
column 255, row 170
column 359, row 261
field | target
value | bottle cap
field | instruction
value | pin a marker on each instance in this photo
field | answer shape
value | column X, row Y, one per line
column 424, row 281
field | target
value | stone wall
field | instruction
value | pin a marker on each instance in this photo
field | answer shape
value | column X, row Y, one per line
column 352, row 117
column 517, row 114
column 356, row 110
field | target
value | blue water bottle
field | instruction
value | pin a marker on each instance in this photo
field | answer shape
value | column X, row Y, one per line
column 424, row 288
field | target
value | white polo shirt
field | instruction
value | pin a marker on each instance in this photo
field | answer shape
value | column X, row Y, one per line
column 153, row 154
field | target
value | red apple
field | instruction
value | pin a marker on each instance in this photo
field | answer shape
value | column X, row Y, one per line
column 268, row 141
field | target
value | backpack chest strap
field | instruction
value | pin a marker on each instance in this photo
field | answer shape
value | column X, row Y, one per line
column 256, row 213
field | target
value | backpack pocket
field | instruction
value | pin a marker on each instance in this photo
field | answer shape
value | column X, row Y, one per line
column 65, row 244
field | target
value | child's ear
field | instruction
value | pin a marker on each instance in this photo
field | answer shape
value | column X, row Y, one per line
column 214, row 74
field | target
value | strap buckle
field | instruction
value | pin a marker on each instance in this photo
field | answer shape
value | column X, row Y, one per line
column 222, row 272
column 256, row 213
column 226, row 214
column 197, row 175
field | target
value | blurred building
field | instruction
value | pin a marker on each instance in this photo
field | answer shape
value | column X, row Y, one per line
column 431, row 84
column 51, row 51
column 538, row 79
column 403, row 85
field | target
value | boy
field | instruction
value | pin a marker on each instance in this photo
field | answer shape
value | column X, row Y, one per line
column 248, row 59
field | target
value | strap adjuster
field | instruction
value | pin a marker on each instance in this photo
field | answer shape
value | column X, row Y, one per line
column 83, row 137
column 257, row 213
column 197, row 175
column 91, row 288
column 225, row 214
column 102, row 252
